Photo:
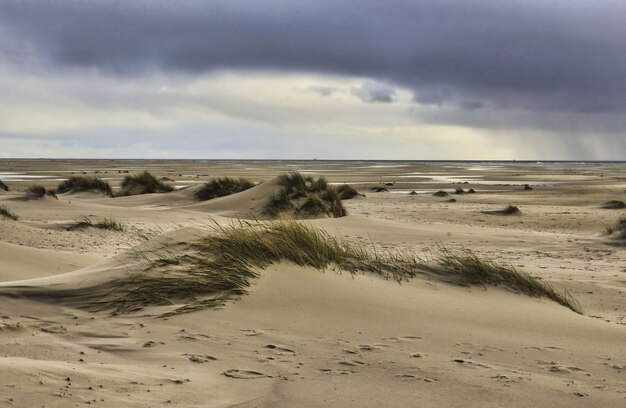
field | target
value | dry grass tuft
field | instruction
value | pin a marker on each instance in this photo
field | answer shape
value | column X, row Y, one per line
column 6, row 213
column 104, row 223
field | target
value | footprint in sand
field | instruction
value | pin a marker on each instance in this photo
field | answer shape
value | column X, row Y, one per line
column 252, row 332
column 195, row 358
column 472, row 364
column 10, row 326
column 372, row 347
column 245, row 374
column 351, row 363
column 280, row 349
column 402, row 339
column 51, row 328
column 336, row 372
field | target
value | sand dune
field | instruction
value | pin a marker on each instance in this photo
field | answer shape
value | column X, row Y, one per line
column 304, row 337
column 246, row 204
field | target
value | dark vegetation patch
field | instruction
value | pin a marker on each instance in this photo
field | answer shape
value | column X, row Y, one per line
column 143, row 183
column 459, row 191
column 84, row 183
column 510, row 210
column 527, row 187
column 347, row 192
column 223, row 186
column 3, row 186
column 613, row 205
column 378, row 189
column 440, row 193
column 52, row 193
column 35, row 192
column 617, row 232
column 304, row 197
column 6, row 213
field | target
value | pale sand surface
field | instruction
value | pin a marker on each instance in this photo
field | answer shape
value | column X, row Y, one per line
column 302, row 337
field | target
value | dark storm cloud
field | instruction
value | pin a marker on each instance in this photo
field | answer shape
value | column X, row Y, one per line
column 559, row 56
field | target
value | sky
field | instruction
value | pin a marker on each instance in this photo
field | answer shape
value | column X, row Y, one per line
column 325, row 79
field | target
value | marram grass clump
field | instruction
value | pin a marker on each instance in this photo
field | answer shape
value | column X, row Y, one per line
column 3, row 186
column 142, row 183
column 6, row 213
column 35, row 192
column 77, row 184
column 102, row 223
column 475, row 270
column 223, row 265
column 617, row 231
column 223, row 186
column 305, row 197
column 347, row 192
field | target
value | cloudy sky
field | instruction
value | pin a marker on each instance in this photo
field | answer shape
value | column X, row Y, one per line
column 326, row 79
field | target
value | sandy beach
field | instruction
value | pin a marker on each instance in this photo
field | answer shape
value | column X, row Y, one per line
column 305, row 337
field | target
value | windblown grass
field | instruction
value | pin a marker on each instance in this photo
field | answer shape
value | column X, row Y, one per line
column 143, row 183
column 3, row 186
column 223, row 186
column 35, row 192
column 83, row 183
column 305, row 197
column 474, row 270
column 224, row 264
column 6, row 213
column 104, row 223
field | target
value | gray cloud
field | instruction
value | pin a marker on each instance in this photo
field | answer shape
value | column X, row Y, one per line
column 532, row 55
column 372, row 91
